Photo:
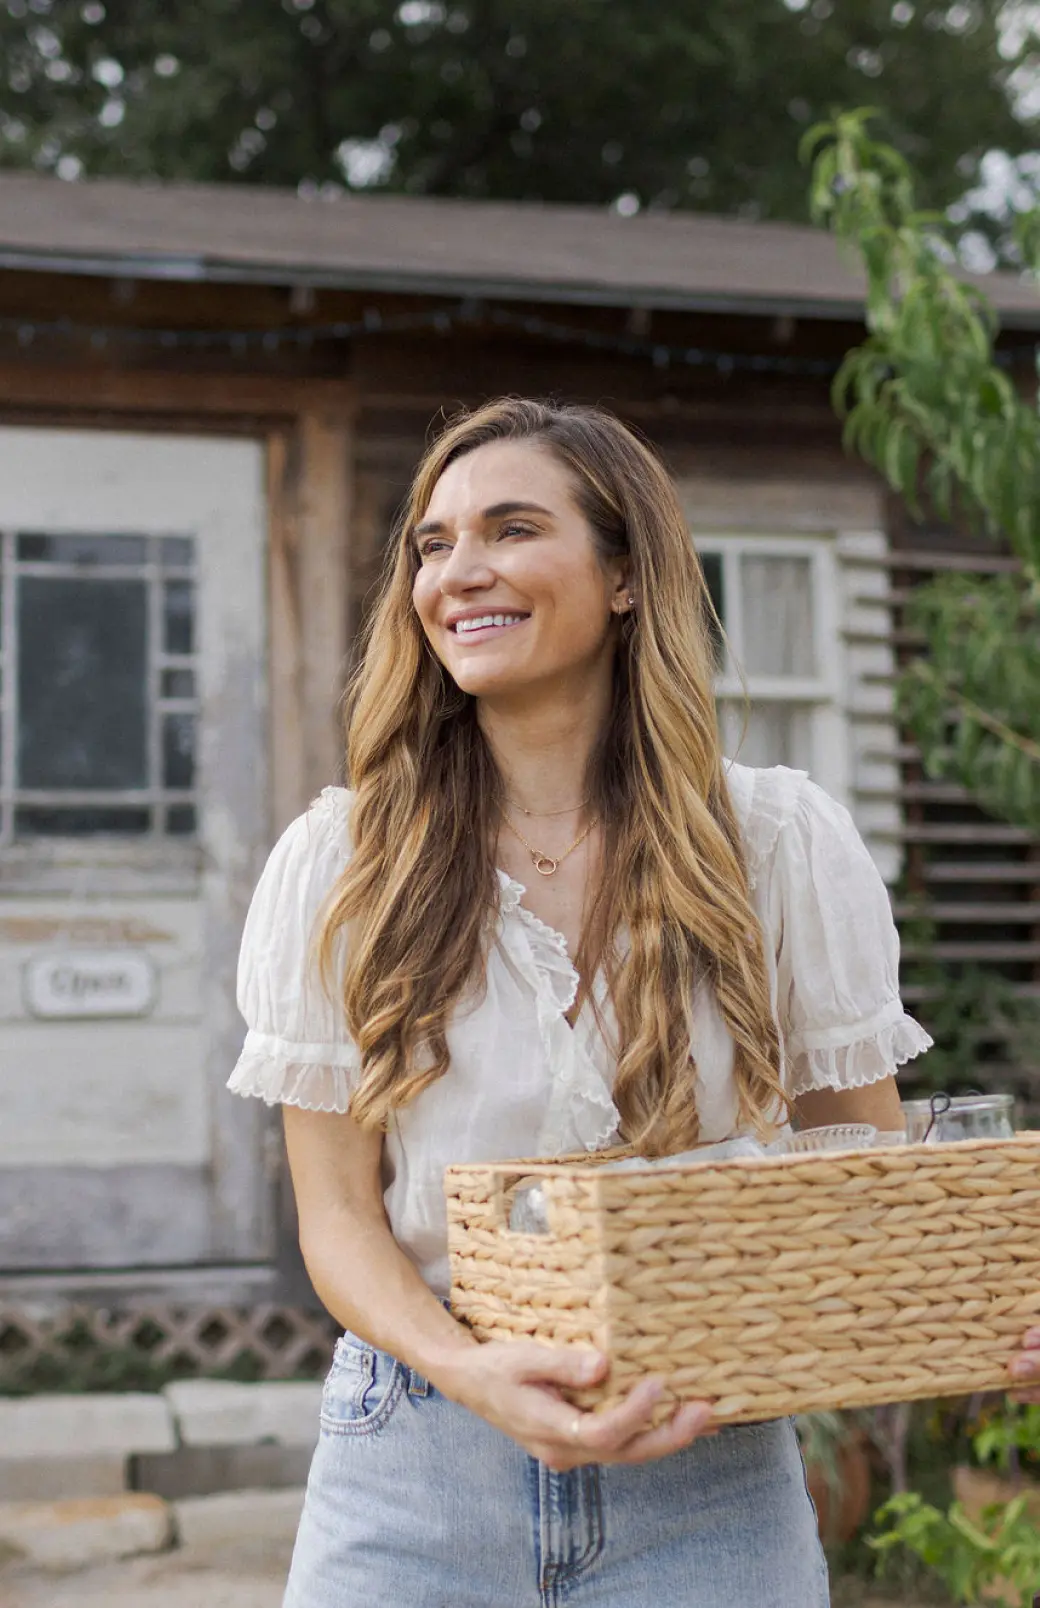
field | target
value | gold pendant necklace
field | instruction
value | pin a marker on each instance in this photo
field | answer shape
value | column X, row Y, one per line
column 547, row 864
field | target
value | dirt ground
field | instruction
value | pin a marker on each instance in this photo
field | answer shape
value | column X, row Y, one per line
column 248, row 1577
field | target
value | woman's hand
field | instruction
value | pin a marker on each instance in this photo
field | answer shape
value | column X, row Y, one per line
column 1026, row 1366
column 516, row 1386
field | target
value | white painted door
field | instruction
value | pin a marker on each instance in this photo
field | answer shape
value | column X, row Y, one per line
column 132, row 813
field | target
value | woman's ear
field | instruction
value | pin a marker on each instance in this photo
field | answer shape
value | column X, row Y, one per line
column 624, row 598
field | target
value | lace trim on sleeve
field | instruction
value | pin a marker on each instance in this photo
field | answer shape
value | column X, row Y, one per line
column 315, row 1077
column 867, row 1059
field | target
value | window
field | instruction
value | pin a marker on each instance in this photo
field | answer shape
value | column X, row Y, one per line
column 773, row 597
column 99, row 688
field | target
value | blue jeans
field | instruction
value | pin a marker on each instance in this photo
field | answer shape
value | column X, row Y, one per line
column 414, row 1502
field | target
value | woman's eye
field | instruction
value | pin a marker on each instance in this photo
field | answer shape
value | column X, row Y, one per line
column 427, row 549
column 515, row 530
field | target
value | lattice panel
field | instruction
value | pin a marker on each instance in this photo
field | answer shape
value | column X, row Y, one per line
column 82, row 1347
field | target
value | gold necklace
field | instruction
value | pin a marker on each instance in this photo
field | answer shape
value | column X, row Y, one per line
column 547, row 815
column 547, row 864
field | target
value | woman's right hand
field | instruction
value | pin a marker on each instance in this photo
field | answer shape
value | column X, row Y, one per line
column 515, row 1385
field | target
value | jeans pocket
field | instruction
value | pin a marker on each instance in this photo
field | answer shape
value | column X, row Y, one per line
column 362, row 1389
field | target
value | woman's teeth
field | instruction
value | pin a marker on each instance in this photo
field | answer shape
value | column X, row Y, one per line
column 484, row 620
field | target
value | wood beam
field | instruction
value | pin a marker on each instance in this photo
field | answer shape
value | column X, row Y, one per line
column 118, row 393
column 311, row 505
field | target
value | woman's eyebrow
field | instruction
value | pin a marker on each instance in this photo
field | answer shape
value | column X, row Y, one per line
column 497, row 510
column 435, row 527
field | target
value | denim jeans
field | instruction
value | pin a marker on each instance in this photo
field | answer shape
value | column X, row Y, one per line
column 414, row 1502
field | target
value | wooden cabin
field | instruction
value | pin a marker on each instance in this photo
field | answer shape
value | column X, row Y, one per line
column 211, row 399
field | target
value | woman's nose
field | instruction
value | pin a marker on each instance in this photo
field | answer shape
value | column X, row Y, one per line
column 466, row 567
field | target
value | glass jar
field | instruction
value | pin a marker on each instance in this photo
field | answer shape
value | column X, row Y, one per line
column 965, row 1116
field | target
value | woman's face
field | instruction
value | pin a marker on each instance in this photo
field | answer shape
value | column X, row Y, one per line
column 510, row 590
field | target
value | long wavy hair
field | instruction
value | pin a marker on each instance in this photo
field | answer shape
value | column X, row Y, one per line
column 404, row 934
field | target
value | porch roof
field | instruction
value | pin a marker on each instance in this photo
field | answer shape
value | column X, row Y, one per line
column 508, row 250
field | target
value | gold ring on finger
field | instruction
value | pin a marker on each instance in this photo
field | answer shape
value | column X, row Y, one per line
column 576, row 1423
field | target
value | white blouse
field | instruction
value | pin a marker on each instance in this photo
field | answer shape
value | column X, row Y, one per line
column 522, row 1081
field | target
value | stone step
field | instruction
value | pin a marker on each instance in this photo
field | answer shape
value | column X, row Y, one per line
column 84, row 1531
column 84, row 1426
column 204, row 1470
column 197, row 1437
column 236, row 1521
column 212, row 1412
column 52, row 1479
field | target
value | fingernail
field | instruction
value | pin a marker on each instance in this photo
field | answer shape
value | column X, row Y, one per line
column 1025, row 1367
column 1033, row 1337
column 591, row 1366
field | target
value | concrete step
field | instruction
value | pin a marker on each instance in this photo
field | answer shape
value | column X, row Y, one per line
column 204, row 1470
column 238, row 1521
column 84, row 1531
column 197, row 1437
column 250, row 1530
column 84, row 1426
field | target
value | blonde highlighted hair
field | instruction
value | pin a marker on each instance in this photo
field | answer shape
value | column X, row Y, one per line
column 415, row 899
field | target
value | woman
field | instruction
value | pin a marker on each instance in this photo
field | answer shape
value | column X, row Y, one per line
column 547, row 916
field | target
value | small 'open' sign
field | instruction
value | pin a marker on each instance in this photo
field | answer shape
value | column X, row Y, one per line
column 90, row 982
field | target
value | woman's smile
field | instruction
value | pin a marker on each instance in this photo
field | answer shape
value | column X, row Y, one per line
column 472, row 627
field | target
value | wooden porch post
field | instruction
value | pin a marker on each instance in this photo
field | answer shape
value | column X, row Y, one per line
column 311, row 499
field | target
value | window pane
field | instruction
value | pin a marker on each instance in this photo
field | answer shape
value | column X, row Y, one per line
column 69, row 549
column 179, row 617
column 178, row 683
column 778, row 734
column 180, row 820
column 178, row 737
column 177, row 552
column 82, row 683
column 778, row 616
column 711, row 564
column 74, row 821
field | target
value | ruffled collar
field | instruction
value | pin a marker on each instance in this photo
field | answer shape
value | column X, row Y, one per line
column 581, row 1114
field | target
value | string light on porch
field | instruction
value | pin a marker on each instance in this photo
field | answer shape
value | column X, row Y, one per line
column 438, row 321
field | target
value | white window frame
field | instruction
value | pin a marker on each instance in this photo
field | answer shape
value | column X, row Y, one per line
column 823, row 694
column 154, row 796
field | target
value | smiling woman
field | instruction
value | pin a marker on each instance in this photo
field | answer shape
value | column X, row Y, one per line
column 703, row 949
column 487, row 568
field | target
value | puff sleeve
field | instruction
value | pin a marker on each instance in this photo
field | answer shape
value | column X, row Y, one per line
column 838, row 1006
column 296, row 1050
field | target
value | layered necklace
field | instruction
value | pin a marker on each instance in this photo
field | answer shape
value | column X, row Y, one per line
column 547, row 864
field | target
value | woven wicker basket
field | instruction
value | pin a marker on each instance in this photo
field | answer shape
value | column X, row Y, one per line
column 768, row 1286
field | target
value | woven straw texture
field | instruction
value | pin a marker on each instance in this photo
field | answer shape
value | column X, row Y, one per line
column 768, row 1286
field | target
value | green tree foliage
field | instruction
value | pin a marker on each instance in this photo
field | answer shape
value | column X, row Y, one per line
column 927, row 402
column 679, row 103
column 999, row 1553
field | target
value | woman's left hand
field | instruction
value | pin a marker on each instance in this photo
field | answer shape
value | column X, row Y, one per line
column 1026, row 1368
